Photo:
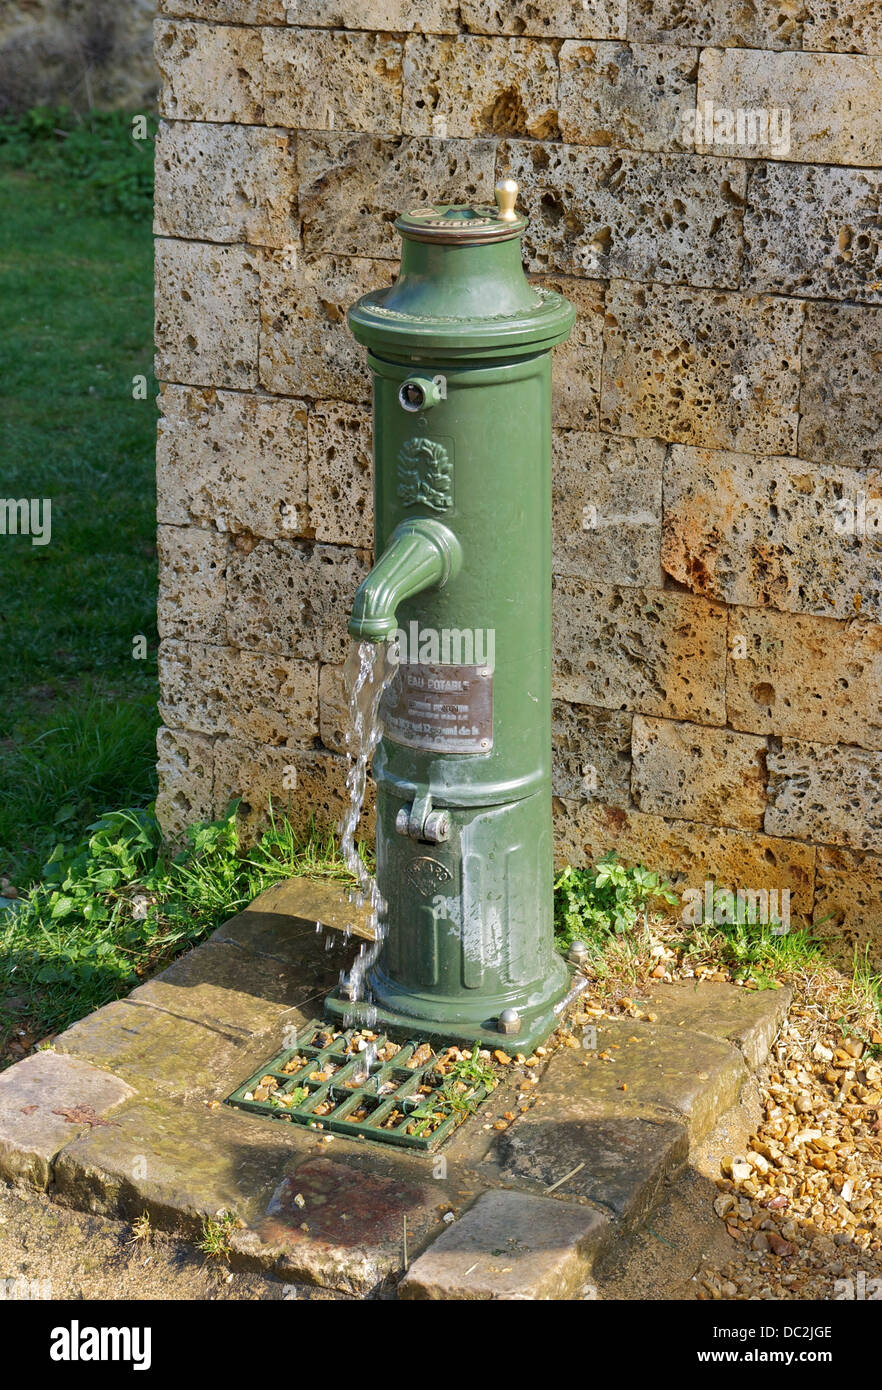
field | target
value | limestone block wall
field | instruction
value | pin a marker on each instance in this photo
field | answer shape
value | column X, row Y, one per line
column 718, row 445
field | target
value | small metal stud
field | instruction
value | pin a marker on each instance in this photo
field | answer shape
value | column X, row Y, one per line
column 578, row 953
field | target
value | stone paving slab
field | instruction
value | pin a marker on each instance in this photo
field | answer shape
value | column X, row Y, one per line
column 617, row 1161
column 308, row 1214
column 203, row 1025
column 747, row 1018
column 45, row 1101
column 226, row 988
column 266, row 934
column 161, row 1053
column 277, row 920
column 650, row 1069
column 344, row 1225
column 181, row 1163
column 510, row 1245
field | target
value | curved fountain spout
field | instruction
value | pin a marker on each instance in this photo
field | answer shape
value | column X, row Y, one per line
column 421, row 554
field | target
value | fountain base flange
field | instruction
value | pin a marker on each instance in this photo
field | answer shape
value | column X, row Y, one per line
column 536, row 1024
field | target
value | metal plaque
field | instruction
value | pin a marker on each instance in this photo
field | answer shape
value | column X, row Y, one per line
column 440, row 709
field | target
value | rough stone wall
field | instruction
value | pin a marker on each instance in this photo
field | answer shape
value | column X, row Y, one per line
column 77, row 53
column 718, row 619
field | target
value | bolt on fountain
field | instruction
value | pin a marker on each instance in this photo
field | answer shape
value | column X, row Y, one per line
column 459, row 604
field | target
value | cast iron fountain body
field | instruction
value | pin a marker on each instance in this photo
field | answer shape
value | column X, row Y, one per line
column 460, row 351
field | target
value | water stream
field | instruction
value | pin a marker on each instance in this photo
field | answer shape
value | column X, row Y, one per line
column 367, row 673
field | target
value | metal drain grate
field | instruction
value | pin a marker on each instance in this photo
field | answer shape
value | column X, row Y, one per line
column 358, row 1083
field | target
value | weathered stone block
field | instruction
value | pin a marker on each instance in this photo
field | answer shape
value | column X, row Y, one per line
column 510, row 1245
column 207, row 318
column 174, row 1162
column 632, row 1156
column 397, row 16
column 719, row 370
column 192, row 582
column 233, row 459
column 833, row 795
column 280, row 921
column 649, row 650
column 227, row 989
column 606, row 507
column 596, row 19
column 855, row 27
column 301, row 786
column 489, row 87
column 833, row 101
column 226, row 183
column 160, row 1052
column 747, row 1018
column 356, row 1213
column 341, row 473
column 294, row 598
column 725, row 22
column 46, row 1101
column 334, row 720
column 249, row 695
column 321, row 79
column 627, row 96
column 185, row 767
column 774, row 531
column 848, row 893
column 575, row 381
column 667, row 218
column 591, row 753
column 815, row 232
column 305, row 345
column 687, row 852
column 352, row 187
column 841, row 422
column 210, row 72
column 810, row 678
column 710, row 775
column 690, row 1075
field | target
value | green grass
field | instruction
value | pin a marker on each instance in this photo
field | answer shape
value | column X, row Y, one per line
column 77, row 712
column 116, row 906
column 217, row 1232
column 614, row 908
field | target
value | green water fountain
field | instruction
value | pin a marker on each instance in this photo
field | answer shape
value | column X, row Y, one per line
column 460, row 352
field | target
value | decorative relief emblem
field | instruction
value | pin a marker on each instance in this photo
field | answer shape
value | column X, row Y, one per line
column 427, row 874
column 425, row 474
